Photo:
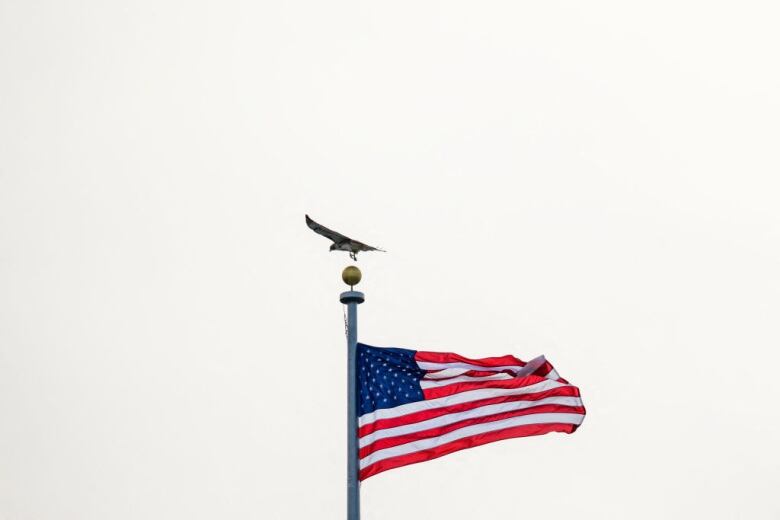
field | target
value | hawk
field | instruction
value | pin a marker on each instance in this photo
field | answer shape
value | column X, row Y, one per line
column 340, row 242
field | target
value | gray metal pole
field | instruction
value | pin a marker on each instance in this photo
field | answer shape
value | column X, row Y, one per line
column 351, row 299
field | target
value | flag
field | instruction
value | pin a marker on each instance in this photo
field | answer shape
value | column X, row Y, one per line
column 415, row 406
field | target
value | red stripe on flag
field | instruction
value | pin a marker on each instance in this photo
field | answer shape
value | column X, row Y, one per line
column 462, row 444
column 449, row 357
column 456, row 388
column 545, row 369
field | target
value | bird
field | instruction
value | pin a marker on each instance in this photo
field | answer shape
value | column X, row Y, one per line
column 340, row 242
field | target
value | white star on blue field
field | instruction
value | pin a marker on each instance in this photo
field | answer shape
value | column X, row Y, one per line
column 387, row 377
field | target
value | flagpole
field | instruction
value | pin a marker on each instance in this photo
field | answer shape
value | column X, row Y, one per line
column 351, row 276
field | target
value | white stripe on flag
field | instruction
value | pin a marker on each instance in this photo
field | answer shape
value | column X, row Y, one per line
column 428, row 365
column 462, row 379
column 444, row 374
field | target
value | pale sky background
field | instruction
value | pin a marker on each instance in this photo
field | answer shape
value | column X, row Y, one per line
column 593, row 181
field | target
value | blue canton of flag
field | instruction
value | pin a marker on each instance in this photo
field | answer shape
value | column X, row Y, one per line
column 387, row 377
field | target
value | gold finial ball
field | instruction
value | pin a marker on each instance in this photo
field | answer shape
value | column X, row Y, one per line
column 351, row 275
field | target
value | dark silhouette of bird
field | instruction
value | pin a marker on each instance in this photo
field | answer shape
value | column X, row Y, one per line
column 340, row 242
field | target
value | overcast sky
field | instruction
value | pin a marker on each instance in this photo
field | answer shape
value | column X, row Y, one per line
column 593, row 181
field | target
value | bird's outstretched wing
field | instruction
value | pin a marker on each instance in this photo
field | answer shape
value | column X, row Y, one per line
column 366, row 247
column 327, row 233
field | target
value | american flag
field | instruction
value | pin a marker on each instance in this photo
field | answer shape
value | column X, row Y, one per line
column 415, row 406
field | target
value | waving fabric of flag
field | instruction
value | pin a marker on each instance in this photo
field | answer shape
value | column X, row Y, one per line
column 415, row 406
